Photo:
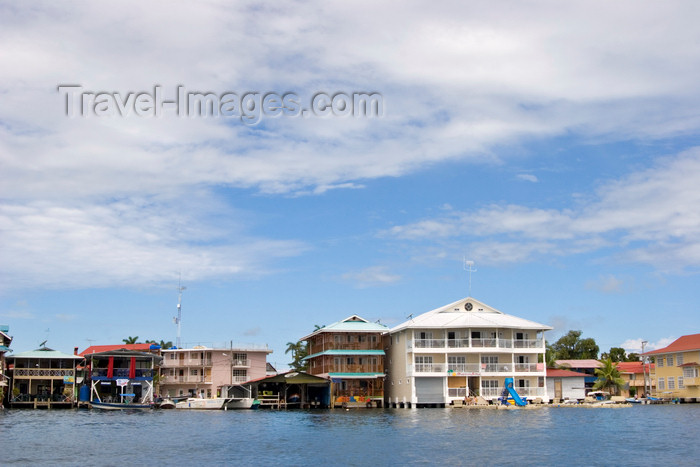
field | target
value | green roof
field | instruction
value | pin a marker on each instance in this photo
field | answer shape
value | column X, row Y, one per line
column 45, row 352
column 352, row 323
column 346, row 352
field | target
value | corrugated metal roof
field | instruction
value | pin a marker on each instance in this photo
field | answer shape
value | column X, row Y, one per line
column 682, row 344
column 356, row 375
column 352, row 323
column 558, row 373
column 583, row 363
column 468, row 313
column 107, row 348
column 44, row 353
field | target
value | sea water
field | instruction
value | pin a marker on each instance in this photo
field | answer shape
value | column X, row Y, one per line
column 639, row 435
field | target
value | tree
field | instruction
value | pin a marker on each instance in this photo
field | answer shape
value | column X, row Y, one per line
column 616, row 354
column 131, row 340
column 572, row 347
column 608, row 377
column 298, row 351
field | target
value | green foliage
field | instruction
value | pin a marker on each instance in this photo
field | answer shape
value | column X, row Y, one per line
column 131, row 340
column 299, row 352
column 608, row 377
column 572, row 347
column 618, row 354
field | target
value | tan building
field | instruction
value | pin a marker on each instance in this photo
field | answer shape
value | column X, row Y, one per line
column 203, row 372
column 464, row 349
column 677, row 369
column 634, row 374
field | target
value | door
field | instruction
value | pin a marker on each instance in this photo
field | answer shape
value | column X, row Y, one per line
column 430, row 390
column 557, row 389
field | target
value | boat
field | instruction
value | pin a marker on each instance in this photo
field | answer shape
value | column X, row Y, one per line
column 197, row 403
column 632, row 400
column 240, row 403
column 118, row 406
column 166, row 404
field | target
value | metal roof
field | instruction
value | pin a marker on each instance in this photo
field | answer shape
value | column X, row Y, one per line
column 45, row 353
column 352, row 323
column 682, row 344
column 583, row 363
column 356, row 375
column 468, row 313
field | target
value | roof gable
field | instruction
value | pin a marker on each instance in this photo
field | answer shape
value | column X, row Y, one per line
column 353, row 323
column 468, row 313
column 682, row 344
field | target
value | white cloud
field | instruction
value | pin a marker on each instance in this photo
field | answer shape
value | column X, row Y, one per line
column 635, row 345
column 371, row 276
column 651, row 216
column 528, row 178
column 608, row 284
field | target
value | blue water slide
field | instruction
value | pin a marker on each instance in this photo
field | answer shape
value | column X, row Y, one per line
column 511, row 390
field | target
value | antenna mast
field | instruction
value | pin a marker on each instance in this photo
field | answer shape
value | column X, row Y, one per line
column 469, row 267
column 178, row 319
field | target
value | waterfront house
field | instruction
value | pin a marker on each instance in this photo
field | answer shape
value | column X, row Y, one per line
column 350, row 354
column 291, row 389
column 565, row 385
column 586, row 366
column 5, row 341
column 121, row 376
column 634, row 374
column 464, row 349
column 42, row 378
column 204, row 372
column 677, row 369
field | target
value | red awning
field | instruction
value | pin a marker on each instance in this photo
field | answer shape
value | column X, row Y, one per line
column 110, row 367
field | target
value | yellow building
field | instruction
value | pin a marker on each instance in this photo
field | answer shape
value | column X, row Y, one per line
column 677, row 369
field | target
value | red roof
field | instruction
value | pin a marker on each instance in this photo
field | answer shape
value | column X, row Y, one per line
column 633, row 367
column 682, row 344
column 557, row 373
column 107, row 348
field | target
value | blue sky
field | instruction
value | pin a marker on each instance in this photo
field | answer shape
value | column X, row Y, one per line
column 557, row 146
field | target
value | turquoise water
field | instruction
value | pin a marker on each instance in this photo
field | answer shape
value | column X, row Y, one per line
column 640, row 435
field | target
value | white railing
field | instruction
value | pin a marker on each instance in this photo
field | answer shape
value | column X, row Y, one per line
column 491, row 392
column 528, row 367
column 496, row 368
column 176, row 362
column 240, row 379
column 527, row 343
column 480, row 343
column 429, row 367
column 184, row 379
column 457, row 392
column 241, row 363
column 464, row 367
column 429, row 343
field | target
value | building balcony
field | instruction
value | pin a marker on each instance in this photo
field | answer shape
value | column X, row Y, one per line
column 476, row 369
column 318, row 348
column 175, row 379
column 352, row 368
column 101, row 373
column 492, row 393
column 185, row 362
column 46, row 373
column 691, row 381
column 240, row 363
column 490, row 343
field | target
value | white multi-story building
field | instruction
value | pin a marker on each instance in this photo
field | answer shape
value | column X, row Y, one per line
column 462, row 350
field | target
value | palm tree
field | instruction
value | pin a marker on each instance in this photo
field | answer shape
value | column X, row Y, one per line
column 131, row 340
column 298, row 351
column 608, row 377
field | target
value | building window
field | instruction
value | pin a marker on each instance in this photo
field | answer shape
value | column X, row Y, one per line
column 661, row 384
column 337, row 338
column 240, row 375
column 679, row 359
column 681, row 384
column 373, row 339
column 194, row 372
column 350, row 360
column 173, row 356
column 240, row 357
column 361, row 338
column 633, row 377
column 669, row 360
column 671, row 382
column 690, row 372
column 660, row 361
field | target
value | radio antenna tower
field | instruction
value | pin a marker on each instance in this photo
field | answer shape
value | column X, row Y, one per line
column 178, row 319
column 469, row 267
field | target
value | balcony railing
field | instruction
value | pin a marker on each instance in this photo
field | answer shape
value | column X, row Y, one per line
column 352, row 368
column 465, row 343
column 43, row 372
column 691, row 381
column 184, row 362
column 318, row 348
column 457, row 392
column 122, row 372
column 522, row 392
column 184, row 379
column 478, row 368
column 240, row 363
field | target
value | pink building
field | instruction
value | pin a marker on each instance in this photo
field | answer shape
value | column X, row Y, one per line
column 203, row 372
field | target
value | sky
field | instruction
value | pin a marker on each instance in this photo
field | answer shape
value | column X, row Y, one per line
column 555, row 145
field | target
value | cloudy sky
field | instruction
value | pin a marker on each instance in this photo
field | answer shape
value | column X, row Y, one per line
column 556, row 145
